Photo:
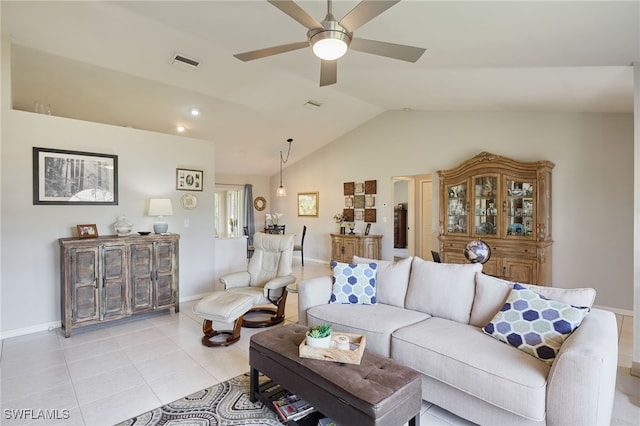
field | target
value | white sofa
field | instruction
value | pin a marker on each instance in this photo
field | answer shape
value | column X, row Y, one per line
column 430, row 316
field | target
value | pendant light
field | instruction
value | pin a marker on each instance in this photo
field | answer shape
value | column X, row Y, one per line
column 281, row 191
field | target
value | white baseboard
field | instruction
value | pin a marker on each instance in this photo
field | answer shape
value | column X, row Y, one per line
column 617, row 311
column 29, row 330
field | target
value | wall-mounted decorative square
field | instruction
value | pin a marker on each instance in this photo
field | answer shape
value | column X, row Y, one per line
column 359, row 188
column 358, row 201
column 359, row 215
column 348, row 215
column 369, row 215
column 369, row 201
column 370, row 187
column 348, row 201
column 349, row 188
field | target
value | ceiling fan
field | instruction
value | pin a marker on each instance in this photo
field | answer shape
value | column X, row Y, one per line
column 330, row 39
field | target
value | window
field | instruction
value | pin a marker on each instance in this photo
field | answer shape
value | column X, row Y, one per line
column 228, row 211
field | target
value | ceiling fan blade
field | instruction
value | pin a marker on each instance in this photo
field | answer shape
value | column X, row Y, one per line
column 365, row 11
column 270, row 51
column 390, row 50
column 328, row 73
column 292, row 9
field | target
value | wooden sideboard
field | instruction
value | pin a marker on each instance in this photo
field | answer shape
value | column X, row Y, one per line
column 112, row 277
column 507, row 204
column 345, row 246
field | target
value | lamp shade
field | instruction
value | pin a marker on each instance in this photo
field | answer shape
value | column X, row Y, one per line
column 160, row 207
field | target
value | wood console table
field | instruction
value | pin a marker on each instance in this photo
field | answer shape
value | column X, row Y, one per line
column 108, row 278
column 345, row 246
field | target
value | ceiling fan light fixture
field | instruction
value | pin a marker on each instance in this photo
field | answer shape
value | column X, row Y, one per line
column 331, row 42
column 330, row 49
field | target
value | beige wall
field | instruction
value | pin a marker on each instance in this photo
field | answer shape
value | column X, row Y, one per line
column 592, row 181
column 147, row 167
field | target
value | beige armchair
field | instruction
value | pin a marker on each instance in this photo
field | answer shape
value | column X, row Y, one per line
column 268, row 273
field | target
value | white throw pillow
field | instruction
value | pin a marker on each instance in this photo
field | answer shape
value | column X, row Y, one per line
column 444, row 290
column 392, row 279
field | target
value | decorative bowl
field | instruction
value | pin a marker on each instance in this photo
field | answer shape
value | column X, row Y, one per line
column 144, row 233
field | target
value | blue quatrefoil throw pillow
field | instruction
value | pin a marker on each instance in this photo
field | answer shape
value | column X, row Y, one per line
column 354, row 283
column 535, row 324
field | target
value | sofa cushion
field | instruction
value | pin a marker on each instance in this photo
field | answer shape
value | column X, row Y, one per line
column 377, row 322
column 534, row 324
column 466, row 359
column 444, row 290
column 392, row 279
column 354, row 283
column 491, row 293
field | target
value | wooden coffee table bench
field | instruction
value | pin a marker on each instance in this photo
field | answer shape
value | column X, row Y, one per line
column 378, row 392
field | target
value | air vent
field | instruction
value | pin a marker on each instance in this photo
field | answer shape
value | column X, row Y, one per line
column 184, row 62
column 313, row 104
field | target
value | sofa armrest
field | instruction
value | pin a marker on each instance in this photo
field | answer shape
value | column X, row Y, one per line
column 235, row 279
column 313, row 292
column 582, row 380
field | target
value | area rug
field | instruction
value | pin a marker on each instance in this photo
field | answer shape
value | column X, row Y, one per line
column 226, row 403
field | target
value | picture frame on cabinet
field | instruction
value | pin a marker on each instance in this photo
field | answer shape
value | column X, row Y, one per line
column 189, row 180
column 63, row 177
column 367, row 229
column 87, row 231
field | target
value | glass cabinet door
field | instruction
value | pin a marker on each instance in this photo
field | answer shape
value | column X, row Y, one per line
column 486, row 205
column 520, row 208
column 457, row 205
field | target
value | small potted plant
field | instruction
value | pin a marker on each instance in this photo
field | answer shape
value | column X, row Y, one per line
column 319, row 336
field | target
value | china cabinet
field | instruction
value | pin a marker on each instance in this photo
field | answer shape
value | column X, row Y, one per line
column 507, row 204
column 345, row 246
column 112, row 277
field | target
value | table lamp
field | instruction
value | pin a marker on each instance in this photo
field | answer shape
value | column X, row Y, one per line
column 160, row 207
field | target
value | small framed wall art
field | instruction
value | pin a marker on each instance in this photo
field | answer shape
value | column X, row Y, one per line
column 370, row 186
column 349, row 188
column 308, row 204
column 87, row 231
column 189, row 180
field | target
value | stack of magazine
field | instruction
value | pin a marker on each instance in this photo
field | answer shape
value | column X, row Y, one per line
column 291, row 407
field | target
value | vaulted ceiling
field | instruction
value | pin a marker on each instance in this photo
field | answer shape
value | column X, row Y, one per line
column 110, row 62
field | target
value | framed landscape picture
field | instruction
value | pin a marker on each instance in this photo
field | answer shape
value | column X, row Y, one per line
column 74, row 177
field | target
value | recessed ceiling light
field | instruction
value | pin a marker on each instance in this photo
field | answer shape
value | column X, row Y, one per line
column 180, row 129
column 195, row 112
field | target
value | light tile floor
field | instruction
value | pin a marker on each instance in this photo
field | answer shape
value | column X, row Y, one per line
column 109, row 373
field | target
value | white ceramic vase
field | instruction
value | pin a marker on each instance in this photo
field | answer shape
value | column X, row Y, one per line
column 322, row 342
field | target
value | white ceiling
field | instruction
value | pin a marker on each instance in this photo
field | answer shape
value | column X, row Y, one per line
column 110, row 62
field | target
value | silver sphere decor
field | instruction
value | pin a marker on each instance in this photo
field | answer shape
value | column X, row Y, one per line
column 477, row 251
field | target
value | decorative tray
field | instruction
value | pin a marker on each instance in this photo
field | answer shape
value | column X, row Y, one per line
column 353, row 355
